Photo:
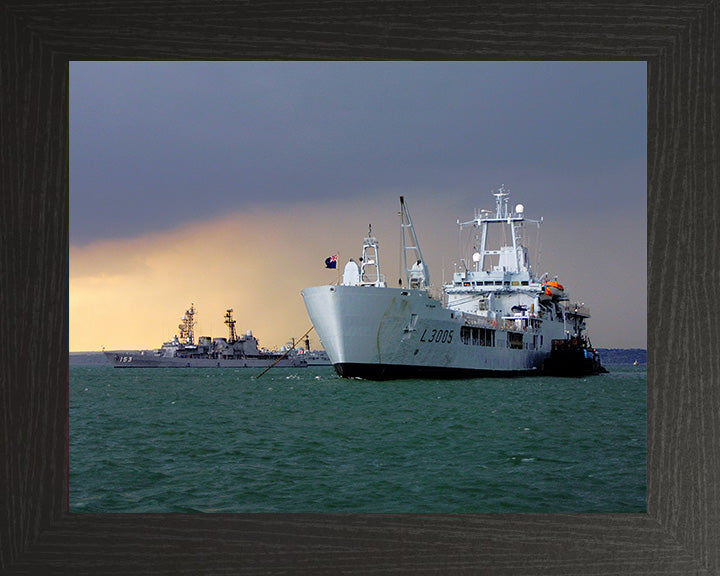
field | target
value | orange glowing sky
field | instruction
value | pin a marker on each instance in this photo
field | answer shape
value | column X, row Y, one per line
column 131, row 293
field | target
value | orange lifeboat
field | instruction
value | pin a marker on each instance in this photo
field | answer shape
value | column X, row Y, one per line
column 554, row 289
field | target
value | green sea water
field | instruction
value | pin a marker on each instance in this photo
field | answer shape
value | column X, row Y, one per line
column 305, row 440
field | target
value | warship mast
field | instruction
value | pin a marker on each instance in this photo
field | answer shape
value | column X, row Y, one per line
column 231, row 325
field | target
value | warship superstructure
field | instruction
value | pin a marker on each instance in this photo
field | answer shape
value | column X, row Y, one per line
column 235, row 351
column 496, row 317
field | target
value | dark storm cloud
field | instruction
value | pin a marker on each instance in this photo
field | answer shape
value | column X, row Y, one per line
column 158, row 144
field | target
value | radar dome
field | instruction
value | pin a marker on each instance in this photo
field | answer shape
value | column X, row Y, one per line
column 476, row 257
column 519, row 208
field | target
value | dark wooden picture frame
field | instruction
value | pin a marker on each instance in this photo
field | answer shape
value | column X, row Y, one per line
column 679, row 534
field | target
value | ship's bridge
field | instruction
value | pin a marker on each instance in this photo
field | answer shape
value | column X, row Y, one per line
column 491, row 281
column 505, row 268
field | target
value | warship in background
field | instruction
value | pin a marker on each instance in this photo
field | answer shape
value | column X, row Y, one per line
column 496, row 317
column 182, row 352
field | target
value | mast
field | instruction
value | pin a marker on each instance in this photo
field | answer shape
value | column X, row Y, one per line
column 187, row 327
column 370, row 265
column 517, row 260
column 417, row 275
column 231, row 326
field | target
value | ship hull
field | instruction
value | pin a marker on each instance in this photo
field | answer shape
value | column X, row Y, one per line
column 384, row 333
column 147, row 359
column 409, row 371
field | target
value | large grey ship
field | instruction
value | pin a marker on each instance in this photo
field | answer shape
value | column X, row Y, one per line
column 235, row 351
column 496, row 317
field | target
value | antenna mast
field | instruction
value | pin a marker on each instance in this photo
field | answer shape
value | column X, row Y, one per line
column 231, row 325
column 370, row 265
column 188, row 325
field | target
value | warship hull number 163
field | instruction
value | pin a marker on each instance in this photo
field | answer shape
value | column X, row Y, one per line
column 235, row 351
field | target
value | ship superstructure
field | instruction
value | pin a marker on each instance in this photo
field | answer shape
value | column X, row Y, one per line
column 496, row 317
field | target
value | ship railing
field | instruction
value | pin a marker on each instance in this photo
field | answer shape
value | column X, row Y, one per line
column 481, row 321
column 378, row 281
column 507, row 323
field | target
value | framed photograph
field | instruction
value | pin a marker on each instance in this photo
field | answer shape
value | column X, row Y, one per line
column 674, row 534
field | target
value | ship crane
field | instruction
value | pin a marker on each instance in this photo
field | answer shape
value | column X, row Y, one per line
column 417, row 275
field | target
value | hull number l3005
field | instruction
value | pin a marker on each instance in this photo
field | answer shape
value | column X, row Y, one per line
column 438, row 336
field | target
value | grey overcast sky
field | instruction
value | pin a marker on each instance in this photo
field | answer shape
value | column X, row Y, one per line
column 155, row 146
column 151, row 139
